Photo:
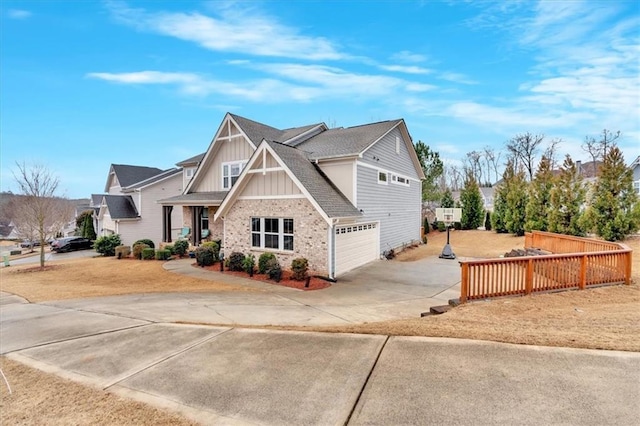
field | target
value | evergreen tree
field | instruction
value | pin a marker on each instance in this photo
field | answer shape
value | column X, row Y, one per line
column 614, row 212
column 87, row 228
column 537, row 210
column 567, row 198
column 516, row 201
column 447, row 199
column 500, row 200
column 433, row 168
column 472, row 205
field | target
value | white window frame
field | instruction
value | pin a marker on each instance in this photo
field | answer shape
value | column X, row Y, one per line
column 281, row 234
column 189, row 171
column 386, row 178
column 230, row 177
column 399, row 180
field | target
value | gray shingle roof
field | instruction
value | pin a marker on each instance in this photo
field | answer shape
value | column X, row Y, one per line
column 121, row 206
column 345, row 141
column 196, row 159
column 128, row 175
column 209, row 197
column 156, row 178
column 328, row 197
column 96, row 199
column 258, row 131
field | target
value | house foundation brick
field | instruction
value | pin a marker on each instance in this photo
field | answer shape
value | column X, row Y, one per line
column 309, row 238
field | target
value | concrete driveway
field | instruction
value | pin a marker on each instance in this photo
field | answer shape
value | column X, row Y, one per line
column 379, row 291
column 232, row 376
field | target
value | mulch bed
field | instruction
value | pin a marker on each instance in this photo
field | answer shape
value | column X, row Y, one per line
column 315, row 283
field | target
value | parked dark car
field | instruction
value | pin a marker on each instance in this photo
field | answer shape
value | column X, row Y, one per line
column 71, row 243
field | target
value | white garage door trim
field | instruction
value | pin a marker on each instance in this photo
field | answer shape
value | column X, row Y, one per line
column 356, row 245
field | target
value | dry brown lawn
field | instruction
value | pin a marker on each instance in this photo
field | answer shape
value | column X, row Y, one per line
column 603, row 318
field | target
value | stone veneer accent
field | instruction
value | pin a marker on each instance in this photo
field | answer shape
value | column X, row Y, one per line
column 216, row 228
column 309, row 238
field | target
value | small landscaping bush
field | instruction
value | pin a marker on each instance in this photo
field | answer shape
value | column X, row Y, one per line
column 424, row 239
column 215, row 246
column 122, row 251
column 426, row 225
column 273, row 270
column 441, row 226
column 204, row 256
column 107, row 244
column 249, row 264
column 148, row 253
column 235, row 261
column 163, row 254
column 180, row 247
column 169, row 249
column 457, row 226
column 487, row 222
column 145, row 241
column 299, row 268
column 138, row 248
column 263, row 260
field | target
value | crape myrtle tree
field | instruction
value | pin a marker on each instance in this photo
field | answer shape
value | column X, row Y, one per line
column 614, row 212
column 537, row 210
column 39, row 205
column 566, row 202
column 471, row 204
column 433, row 168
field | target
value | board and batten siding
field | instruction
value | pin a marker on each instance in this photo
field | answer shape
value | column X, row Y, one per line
column 235, row 149
column 274, row 183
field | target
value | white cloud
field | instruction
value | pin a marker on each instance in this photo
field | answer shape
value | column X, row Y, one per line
column 237, row 29
column 18, row 14
column 408, row 57
column 408, row 69
column 456, row 78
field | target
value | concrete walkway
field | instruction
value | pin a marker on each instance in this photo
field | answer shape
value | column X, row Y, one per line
column 379, row 291
column 234, row 376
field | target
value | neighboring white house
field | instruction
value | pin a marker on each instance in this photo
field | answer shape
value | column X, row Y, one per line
column 338, row 197
column 635, row 167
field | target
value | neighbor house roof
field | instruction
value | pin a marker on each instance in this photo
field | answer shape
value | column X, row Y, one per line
column 96, row 199
column 129, row 175
column 121, row 206
column 150, row 181
column 327, row 195
column 348, row 141
column 196, row 159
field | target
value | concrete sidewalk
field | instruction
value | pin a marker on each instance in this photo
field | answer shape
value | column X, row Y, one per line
column 232, row 376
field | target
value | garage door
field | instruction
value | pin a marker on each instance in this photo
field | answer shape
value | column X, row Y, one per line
column 355, row 246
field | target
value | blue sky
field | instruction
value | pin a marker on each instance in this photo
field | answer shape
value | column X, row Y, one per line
column 87, row 84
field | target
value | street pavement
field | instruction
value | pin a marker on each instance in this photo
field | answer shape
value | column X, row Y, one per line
column 229, row 375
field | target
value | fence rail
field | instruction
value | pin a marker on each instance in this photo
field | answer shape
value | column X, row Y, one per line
column 595, row 263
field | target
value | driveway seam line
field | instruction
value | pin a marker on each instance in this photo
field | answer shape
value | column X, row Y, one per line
column 113, row 314
column 366, row 381
column 166, row 358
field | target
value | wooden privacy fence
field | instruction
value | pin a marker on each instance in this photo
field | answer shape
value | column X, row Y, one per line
column 575, row 263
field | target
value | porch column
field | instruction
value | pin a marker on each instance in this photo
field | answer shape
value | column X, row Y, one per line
column 196, row 226
column 166, row 223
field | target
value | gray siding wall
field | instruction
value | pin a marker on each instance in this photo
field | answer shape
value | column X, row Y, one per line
column 397, row 207
column 385, row 151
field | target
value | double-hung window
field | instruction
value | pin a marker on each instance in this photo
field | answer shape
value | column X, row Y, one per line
column 272, row 233
column 230, row 173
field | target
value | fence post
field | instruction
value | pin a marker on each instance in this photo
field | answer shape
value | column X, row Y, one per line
column 583, row 272
column 528, row 285
column 627, row 272
column 464, row 283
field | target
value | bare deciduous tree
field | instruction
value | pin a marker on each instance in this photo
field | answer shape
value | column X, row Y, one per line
column 551, row 152
column 598, row 148
column 523, row 148
column 38, row 206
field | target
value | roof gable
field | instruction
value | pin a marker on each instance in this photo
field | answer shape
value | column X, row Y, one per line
column 317, row 188
column 128, row 175
column 119, row 207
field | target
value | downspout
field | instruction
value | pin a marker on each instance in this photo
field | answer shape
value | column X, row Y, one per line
column 332, row 252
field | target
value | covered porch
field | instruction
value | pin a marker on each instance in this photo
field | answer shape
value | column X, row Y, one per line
column 198, row 217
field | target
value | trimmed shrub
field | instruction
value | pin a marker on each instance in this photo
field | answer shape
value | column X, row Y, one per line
column 106, row 245
column 181, row 247
column 235, row 261
column 163, row 254
column 215, row 246
column 273, row 269
column 122, row 251
column 146, row 241
column 424, row 239
column 204, row 256
column 487, row 221
column 441, row 226
column 299, row 267
column 138, row 248
column 148, row 253
column 457, row 226
column 249, row 264
column 263, row 260
column 426, row 225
